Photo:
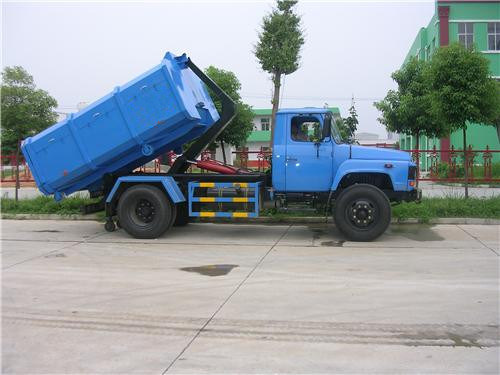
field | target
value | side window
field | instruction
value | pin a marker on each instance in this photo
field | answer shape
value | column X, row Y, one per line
column 305, row 129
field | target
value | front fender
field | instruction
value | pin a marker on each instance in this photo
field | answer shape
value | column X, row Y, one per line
column 398, row 173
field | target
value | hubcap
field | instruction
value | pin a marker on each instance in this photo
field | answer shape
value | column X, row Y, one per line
column 145, row 211
column 361, row 213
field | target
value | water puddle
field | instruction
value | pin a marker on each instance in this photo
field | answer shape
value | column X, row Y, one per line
column 57, row 255
column 415, row 232
column 47, row 231
column 211, row 269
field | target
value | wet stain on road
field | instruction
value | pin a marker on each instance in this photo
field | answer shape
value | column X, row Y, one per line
column 333, row 243
column 415, row 232
column 47, row 231
column 211, row 269
column 57, row 255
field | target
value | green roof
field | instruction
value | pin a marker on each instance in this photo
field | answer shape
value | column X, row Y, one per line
column 268, row 111
column 259, row 136
column 262, row 112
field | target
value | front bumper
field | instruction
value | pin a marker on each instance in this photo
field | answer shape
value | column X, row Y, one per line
column 414, row 195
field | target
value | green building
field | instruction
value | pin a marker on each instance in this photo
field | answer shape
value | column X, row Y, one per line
column 470, row 22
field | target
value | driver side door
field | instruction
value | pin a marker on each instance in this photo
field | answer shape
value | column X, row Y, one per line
column 309, row 159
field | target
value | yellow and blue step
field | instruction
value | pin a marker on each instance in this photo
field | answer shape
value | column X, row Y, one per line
column 249, row 186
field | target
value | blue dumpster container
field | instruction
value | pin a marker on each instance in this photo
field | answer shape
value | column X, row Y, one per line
column 157, row 112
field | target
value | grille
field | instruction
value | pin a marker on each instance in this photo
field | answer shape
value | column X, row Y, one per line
column 412, row 172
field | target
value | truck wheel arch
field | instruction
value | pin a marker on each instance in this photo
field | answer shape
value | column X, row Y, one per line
column 166, row 183
column 381, row 180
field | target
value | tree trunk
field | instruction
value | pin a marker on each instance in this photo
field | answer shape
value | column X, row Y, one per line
column 418, row 158
column 223, row 152
column 276, row 103
column 466, row 172
column 17, row 169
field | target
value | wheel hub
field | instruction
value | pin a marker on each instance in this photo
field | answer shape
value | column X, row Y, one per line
column 362, row 213
column 145, row 211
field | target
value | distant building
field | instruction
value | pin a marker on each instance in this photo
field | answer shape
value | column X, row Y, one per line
column 470, row 22
column 365, row 138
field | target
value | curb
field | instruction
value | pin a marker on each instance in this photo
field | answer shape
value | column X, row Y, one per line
column 265, row 220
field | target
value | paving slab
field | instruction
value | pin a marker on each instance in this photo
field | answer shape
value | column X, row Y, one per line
column 15, row 252
column 210, row 233
column 50, row 230
column 263, row 356
column 242, row 298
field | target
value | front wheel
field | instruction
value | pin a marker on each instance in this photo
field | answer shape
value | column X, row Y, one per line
column 362, row 212
column 144, row 211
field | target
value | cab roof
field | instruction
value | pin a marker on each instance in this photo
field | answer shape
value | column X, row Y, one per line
column 307, row 110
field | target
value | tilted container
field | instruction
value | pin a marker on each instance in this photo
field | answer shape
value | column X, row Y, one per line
column 157, row 112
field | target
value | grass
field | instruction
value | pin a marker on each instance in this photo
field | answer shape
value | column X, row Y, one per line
column 45, row 205
column 428, row 209
column 431, row 208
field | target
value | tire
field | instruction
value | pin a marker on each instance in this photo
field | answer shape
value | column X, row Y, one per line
column 109, row 226
column 144, row 211
column 182, row 218
column 362, row 212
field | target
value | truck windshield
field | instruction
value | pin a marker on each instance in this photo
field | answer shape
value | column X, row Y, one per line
column 335, row 132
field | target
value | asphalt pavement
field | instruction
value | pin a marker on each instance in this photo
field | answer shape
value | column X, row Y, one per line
column 237, row 298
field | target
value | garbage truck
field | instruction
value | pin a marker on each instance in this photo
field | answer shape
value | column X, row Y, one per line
column 170, row 108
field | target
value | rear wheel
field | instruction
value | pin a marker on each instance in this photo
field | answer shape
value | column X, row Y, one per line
column 362, row 212
column 144, row 211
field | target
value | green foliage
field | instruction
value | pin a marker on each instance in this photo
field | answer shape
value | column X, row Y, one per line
column 496, row 119
column 461, row 88
column 429, row 208
column 26, row 110
column 347, row 126
column 449, row 207
column 278, row 48
column 237, row 132
column 443, row 170
column 408, row 109
column 45, row 205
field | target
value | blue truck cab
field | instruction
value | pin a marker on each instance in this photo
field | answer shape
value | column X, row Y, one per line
column 311, row 161
column 169, row 108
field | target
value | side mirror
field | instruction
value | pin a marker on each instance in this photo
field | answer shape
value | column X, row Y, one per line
column 327, row 126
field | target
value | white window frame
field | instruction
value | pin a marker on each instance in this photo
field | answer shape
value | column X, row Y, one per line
column 496, row 35
column 466, row 33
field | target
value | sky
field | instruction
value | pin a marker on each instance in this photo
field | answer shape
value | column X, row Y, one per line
column 79, row 51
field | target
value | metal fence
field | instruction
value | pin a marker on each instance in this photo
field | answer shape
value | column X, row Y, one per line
column 438, row 165
column 8, row 169
column 448, row 165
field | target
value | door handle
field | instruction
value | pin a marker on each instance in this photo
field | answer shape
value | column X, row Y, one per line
column 291, row 159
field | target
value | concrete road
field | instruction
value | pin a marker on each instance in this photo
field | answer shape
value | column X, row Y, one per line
column 221, row 298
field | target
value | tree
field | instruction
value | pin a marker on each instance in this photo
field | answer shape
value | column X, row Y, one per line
column 462, row 91
column 278, row 48
column 408, row 109
column 348, row 125
column 496, row 121
column 237, row 132
column 26, row 110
